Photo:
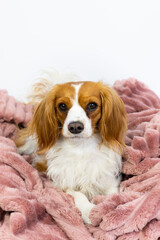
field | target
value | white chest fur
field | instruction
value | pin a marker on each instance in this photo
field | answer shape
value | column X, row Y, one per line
column 83, row 165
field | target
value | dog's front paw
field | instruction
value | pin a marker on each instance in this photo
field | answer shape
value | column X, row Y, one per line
column 83, row 204
column 86, row 213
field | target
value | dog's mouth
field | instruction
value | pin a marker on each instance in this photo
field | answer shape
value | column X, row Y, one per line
column 75, row 137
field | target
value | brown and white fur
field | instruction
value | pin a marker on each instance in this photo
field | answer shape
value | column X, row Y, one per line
column 79, row 127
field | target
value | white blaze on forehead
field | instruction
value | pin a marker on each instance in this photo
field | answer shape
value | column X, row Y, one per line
column 77, row 113
column 77, row 87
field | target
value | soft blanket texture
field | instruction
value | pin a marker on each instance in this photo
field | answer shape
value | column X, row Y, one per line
column 32, row 208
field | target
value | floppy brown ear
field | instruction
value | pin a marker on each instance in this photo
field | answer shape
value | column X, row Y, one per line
column 44, row 123
column 113, row 124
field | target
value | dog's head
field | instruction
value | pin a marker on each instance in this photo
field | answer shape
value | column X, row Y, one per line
column 78, row 110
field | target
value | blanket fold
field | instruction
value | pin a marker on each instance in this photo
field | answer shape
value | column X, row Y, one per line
column 31, row 208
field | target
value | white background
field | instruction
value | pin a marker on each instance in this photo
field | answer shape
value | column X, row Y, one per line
column 110, row 39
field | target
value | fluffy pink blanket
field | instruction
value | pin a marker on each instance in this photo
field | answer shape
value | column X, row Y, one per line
column 31, row 208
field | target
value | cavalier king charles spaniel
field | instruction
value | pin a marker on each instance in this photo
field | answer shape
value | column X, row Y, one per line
column 78, row 127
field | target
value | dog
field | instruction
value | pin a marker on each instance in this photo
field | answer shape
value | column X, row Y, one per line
column 78, row 127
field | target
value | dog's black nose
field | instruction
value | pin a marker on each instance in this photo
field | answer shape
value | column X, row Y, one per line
column 75, row 127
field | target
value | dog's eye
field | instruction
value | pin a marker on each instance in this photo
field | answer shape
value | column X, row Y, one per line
column 92, row 106
column 62, row 107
